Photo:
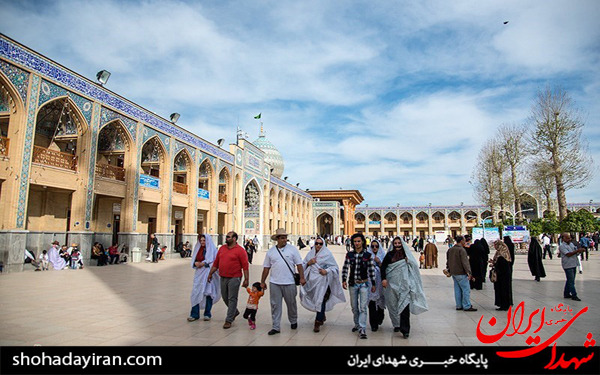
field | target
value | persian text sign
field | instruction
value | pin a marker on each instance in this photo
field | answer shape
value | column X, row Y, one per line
column 149, row 181
column 517, row 234
column 204, row 194
column 491, row 234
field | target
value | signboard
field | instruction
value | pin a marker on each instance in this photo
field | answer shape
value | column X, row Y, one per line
column 440, row 236
column 116, row 208
column 487, row 221
column 491, row 234
column 178, row 215
column 371, row 222
column 518, row 234
column 149, row 181
column 204, row 194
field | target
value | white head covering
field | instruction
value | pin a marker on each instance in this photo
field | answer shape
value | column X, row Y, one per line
column 380, row 253
column 58, row 263
column 325, row 258
column 210, row 250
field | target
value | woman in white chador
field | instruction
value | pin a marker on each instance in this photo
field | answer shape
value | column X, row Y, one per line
column 323, row 288
column 204, row 294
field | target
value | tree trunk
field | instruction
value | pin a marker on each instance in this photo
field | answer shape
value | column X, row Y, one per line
column 560, row 188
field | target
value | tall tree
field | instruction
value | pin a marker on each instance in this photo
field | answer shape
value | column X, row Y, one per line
column 483, row 178
column 556, row 136
column 541, row 179
column 514, row 151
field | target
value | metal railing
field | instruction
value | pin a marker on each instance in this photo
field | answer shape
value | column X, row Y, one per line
column 110, row 171
column 53, row 158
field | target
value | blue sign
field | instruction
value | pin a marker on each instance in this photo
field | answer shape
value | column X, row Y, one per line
column 512, row 228
column 487, row 221
column 374, row 222
column 204, row 194
column 149, row 181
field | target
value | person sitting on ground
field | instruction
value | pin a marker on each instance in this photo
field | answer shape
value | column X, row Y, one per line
column 161, row 252
column 30, row 258
column 64, row 253
column 124, row 253
column 98, row 253
column 187, row 249
column 44, row 260
column 75, row 258
column 179, row 249
column 113, row 253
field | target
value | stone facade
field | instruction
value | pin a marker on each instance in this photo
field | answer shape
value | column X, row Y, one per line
column 79, row 163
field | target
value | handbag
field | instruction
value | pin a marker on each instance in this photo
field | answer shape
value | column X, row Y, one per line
column 493, row 275
column 296, row 274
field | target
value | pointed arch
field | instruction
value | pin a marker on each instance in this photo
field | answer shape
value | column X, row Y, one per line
column 153, row 156
column 59, row 130
column 406, row 217
column 15, row 107
column 112, row 129
column 224, row 183
column 205, row 175
column 10, row 93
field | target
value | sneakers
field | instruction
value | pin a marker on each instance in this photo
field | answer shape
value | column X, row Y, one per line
column 207, row 318
column 191, row 319
column 396, row 329
column 471, row 309
column 355, row 329
column 251, row 324
column 362, row 334
column 227, row 325
column 459, row 308
column 405, row 335
column 273, row 332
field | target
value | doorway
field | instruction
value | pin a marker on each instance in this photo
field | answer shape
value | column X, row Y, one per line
column 116, row 229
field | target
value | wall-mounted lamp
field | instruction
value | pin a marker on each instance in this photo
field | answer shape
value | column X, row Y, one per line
column 220, row 142
column 174, row 117
column 102, row 76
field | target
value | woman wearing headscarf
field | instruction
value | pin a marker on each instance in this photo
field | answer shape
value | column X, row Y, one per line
column 376, row 298
column 503, row 284
column 475, row 253
column 204, row 294
column 534, row 259
column 402, row 285
column 485, row 257
column 511, row 249
column 323, row 288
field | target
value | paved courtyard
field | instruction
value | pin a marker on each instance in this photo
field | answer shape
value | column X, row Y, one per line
column 147, row 304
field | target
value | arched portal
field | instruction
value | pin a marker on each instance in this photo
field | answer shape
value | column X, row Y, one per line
column 325, row 224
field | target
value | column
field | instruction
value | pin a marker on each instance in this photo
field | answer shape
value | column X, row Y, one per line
column 382, row 223
column 414, row 223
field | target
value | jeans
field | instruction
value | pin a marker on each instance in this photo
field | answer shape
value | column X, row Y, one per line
column 462, row 291
column 195, row 313
column 570, row 284
column 359, row 300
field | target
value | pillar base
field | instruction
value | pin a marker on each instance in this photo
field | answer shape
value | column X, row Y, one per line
column 137, row 244
column 12, row 250
column 85, row 242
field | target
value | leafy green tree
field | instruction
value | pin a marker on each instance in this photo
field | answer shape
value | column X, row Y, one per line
column 579, row 221
column 536, row 227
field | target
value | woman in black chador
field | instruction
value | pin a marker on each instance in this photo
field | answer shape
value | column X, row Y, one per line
column 485, row 256
column 503, row 284
column 475, row 253
column 534, row 259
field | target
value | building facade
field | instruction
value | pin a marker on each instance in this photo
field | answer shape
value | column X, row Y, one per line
column 79, row 163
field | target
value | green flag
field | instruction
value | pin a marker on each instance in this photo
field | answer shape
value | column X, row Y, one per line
column 257, row 116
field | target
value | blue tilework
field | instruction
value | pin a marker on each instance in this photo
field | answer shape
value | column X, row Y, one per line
column 18, row 77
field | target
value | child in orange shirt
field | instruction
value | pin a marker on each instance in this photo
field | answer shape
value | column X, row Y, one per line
column 422, row 260
column 252, row 306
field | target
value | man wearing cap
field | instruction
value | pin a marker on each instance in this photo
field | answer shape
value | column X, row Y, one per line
column 280, row 261
column 231, row 261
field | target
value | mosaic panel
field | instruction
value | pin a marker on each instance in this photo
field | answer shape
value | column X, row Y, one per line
column 107, row 115
column 249, row 176
column 149, row 133
column 4, row 106
column 180, row 146
column 45, row 68
column 89, row 203
column 50, row 91
column 224, row 165
column 136, row 186
column 18, row 77
column 29, row 137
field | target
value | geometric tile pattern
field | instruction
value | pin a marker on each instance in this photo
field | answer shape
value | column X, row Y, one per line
column 18, row 77
column 25, row 168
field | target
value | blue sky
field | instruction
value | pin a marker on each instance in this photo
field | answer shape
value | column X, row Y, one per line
column 394, row 98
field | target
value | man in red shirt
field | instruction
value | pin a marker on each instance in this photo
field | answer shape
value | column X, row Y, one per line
column 231, row 261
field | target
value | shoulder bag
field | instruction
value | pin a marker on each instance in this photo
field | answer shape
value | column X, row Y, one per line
column 296, row 275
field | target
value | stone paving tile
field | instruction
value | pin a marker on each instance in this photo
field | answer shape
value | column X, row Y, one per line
column 147, row 304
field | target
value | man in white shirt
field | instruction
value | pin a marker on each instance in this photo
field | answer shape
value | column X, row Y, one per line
column 279, row 261
column 546, row 242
